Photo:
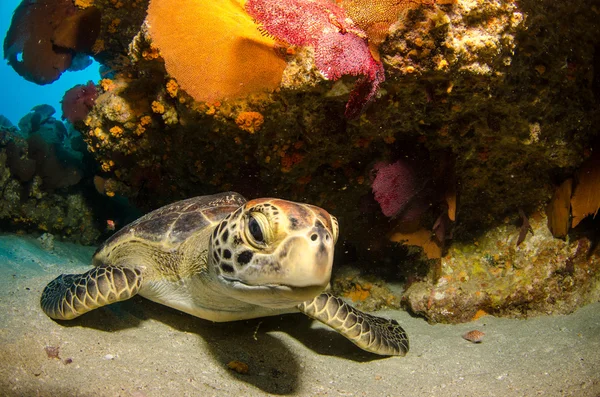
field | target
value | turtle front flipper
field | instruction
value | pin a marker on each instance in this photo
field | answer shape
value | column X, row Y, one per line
column 373, row 334
column 71, row 295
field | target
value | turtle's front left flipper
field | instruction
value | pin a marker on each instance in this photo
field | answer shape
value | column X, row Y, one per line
column 373, row 334
column 71, row 295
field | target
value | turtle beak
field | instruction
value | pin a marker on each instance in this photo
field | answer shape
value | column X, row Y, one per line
column 300, row 262
column 308, row 261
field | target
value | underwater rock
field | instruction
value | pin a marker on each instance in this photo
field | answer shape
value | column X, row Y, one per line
column 369, row 293
column 43, row 155
column 45, row 111
column 55, row 172
column 5, row 123
column 47, row 241
column 80, row 62
column 24, row 207
column 19, row 164
column 30, row 123
column 37, row 156
column 33, row 120
column 543, row 275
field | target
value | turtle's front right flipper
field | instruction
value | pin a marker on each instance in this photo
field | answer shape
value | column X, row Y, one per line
column 371, row 333
column 71, row 295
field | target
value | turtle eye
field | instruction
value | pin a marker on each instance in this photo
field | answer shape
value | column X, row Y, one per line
column 258, row 231
column 255, row 230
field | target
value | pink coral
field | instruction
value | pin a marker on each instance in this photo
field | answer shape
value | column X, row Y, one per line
column 340, row 47
column 299, row 22
column 397, row 188
column 337, row 54
column 78, row 101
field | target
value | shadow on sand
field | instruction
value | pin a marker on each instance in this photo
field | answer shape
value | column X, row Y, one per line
column 274, row 366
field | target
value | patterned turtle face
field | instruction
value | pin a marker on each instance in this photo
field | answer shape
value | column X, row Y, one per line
column 273, row 252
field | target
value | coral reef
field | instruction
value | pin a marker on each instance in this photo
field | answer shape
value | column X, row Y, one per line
column 43, row 181
column 454, row 48
column 499, row 99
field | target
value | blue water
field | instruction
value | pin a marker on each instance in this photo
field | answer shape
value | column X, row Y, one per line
column 17, row 95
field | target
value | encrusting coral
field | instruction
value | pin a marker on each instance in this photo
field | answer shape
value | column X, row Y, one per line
column 213, row 49
column 250, row 121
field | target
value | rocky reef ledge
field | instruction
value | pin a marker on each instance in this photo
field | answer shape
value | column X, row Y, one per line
column 446, row 129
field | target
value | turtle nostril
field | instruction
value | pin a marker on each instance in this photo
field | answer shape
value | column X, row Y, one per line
column 314, row 237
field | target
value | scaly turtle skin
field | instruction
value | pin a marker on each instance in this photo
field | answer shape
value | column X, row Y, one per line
column 222, row 258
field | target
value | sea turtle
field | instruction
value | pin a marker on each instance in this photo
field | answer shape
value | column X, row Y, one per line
column 223, row 258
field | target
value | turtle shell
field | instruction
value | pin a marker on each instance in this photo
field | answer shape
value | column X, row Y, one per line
column 175, row 222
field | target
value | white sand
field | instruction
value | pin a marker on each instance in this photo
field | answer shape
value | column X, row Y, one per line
column 138, row 348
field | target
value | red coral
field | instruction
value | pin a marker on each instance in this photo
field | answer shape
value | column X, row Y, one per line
column 397, row 188
column 340, row 47
column 78, row 101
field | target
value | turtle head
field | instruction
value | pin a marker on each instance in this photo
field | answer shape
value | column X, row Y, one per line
column 274, row 253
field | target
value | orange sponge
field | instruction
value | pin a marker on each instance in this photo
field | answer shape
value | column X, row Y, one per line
column 213, row 48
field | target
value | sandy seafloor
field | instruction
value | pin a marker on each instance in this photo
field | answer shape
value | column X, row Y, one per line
column 139, row 348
